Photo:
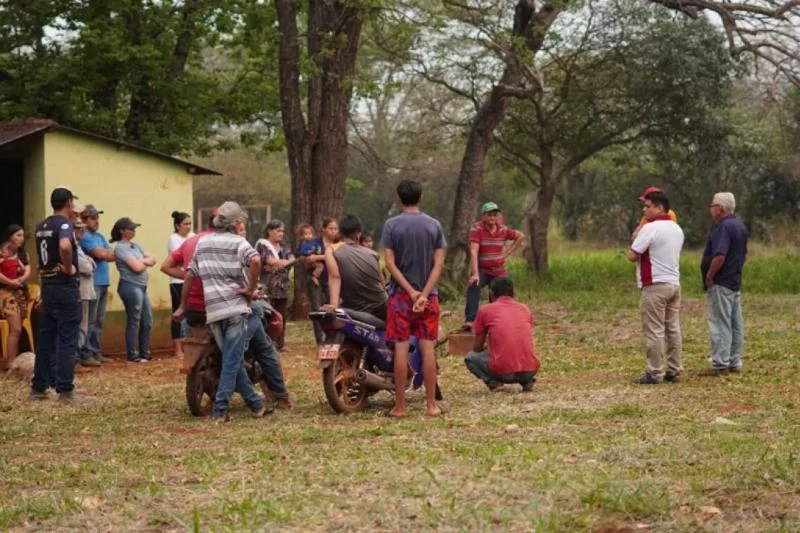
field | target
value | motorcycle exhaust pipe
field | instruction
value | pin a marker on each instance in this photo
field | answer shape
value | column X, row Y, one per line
column 374, row 381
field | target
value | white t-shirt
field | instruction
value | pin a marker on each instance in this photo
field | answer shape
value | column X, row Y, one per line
column 175, row 241
column 659, row 246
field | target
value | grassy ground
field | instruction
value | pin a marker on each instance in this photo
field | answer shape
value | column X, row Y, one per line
column 586, row 451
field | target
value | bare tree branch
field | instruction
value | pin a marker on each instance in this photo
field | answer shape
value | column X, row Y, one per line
column 765, row 29
column 516, row 154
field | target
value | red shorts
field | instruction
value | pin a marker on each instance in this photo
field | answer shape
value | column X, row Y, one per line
column 402, row 322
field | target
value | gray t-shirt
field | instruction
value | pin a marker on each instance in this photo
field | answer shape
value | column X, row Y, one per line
column 123, row 251
column 359, row 268
column 413, row 237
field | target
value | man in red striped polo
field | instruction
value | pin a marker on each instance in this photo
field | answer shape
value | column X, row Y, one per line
column 656, row 250
column 488, row 253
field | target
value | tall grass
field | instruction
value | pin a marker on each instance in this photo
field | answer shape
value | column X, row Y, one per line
column 596, row 278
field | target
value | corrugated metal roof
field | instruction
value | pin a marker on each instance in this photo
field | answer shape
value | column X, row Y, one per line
column 15, row 130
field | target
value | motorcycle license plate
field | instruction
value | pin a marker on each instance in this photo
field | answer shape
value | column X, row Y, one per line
column 328, row 352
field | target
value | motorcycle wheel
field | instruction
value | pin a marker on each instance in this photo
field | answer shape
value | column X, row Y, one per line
column 344, row 394
column 201, row 388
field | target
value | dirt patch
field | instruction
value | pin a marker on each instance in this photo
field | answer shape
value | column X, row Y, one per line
column 167, row 369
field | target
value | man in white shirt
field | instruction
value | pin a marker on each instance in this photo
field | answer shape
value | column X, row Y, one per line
column 657, row 253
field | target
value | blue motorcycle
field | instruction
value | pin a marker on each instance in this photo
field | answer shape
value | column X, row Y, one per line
column 356, row 360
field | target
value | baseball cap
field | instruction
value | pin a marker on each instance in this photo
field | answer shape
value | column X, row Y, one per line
column 228, row 213
column 126, row 223
column 78, row 208
column 61, row 195
column 488, row 207
column 91, row 211
column 648, row 191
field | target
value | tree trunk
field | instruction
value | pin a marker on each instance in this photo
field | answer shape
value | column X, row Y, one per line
column 537, row 222
column 532, row 26
column 537, row 219
column 470, row 177
column 329, row 156
column 297, row 141
column 317, row 147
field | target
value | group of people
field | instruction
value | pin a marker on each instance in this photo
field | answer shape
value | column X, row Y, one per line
column 74, row 258
column 656, row 250
column 216, row 275
column 414, row 250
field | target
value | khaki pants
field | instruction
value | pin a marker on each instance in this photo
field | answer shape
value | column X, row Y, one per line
column 660, row 305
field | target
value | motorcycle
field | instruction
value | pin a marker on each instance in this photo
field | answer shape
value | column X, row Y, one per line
column 202, row 364
column 357, row 361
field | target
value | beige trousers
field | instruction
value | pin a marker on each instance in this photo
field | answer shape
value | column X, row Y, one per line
column 660, row 305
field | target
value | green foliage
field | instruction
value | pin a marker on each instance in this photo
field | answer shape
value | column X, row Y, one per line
column 744, row 148
column 581, row 279
column 167, row 75
column 631, row 75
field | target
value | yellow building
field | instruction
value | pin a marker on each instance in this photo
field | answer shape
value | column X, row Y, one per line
column 121, row 179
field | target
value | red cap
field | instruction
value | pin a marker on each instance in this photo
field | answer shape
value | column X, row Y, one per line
column 648, row 191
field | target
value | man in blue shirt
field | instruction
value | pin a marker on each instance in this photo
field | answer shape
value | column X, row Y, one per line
column 61, row 307
column 721, row 268
column 96, row 246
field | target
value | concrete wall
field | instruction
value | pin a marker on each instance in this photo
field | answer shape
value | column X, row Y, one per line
column 123, row 182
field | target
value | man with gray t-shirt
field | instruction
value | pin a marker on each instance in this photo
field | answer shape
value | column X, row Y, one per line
column 354, row 272
column 414, row 251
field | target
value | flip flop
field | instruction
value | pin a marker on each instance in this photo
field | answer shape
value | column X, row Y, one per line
column 389, row 414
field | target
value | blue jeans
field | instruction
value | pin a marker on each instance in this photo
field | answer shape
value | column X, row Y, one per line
column 139, row 317
column 265, row 352
column 474, row 296
column 96, row 326
column 726, row 327
column 58, row 338
column 230, row 335
column 478, row 364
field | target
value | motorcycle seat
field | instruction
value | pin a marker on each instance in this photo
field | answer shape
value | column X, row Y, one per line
column 366, row 318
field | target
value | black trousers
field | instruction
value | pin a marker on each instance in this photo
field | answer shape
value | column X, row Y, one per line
column 175, row 290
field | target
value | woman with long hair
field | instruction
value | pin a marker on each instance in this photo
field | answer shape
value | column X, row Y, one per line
column 132, row 262
column 276, row 263
column 182, row 226
column 14, row 273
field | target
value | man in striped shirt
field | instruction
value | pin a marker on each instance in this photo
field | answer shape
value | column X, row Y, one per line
column 488, row 253
column 222, row 261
